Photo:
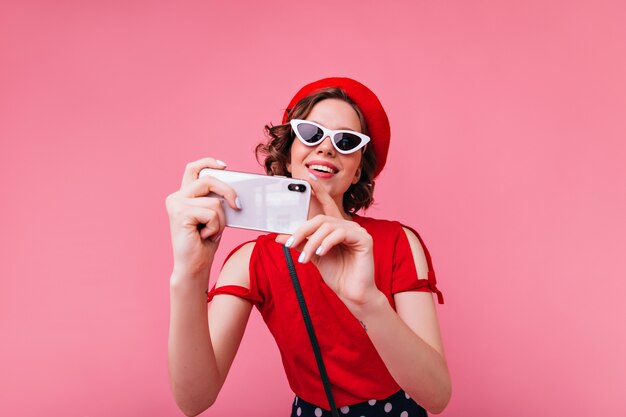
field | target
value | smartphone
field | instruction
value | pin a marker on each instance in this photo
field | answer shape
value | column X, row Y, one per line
column 269, row 203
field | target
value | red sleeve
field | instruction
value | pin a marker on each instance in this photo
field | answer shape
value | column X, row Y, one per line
column 250, row 294
column 237, row 290
column 404, row 273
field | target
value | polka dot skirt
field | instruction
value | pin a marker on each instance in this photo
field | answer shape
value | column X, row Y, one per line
column 397, row 405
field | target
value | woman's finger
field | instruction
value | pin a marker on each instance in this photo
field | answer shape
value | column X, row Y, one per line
column 207, row 202
column 213, row 226
column 192, row 170
column 205, row 185
column 331, row 240
column 282, row 239
column 328, row 204
column 310, row 247
column 211, row 203
column 304, row 231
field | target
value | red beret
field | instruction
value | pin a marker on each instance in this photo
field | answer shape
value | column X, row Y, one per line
column 374, row 113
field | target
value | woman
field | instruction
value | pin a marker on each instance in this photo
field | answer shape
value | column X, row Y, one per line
column 367, row 282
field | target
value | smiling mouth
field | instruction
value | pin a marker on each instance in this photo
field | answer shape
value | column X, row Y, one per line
column 322, row 168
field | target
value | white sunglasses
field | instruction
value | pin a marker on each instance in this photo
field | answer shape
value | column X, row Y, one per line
column 345, row 141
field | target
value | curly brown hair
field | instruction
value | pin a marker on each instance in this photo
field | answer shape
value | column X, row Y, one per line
column 277, row 150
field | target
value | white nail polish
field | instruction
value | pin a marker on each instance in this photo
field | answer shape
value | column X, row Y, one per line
column 302, row 257
column 313, row 177
column 220, row 163
column 319, row 250
column 238, row 203
column 289, row 242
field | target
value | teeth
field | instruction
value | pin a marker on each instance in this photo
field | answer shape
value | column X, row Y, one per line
column 322, row 168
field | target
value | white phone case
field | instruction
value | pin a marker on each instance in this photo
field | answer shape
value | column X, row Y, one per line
column 269, row 203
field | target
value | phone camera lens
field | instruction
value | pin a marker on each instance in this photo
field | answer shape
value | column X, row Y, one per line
column 296, row 187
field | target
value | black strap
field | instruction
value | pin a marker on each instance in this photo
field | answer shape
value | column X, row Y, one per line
column 311, row 331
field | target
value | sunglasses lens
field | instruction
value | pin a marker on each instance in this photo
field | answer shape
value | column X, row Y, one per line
column 309, row 133
column 347, row 141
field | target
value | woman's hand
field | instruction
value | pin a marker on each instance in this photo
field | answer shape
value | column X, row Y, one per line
column 341, row 250
column 197, row 221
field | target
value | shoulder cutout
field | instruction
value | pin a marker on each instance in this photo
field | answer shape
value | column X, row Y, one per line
column 236, row 267
column 419, row 257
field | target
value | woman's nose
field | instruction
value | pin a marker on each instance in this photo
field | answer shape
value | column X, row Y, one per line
column 326, row 146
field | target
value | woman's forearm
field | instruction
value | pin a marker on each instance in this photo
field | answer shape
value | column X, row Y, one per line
column 194, row 375
column 415, row 365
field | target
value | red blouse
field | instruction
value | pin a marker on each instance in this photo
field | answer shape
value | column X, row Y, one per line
column 355, row 370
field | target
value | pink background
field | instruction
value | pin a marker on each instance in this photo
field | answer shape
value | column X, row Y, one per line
column 508, row 155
